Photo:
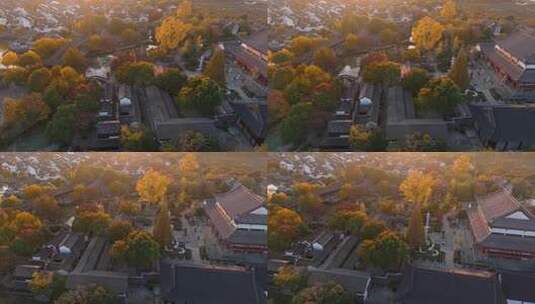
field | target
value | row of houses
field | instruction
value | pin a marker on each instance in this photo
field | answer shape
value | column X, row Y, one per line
column 358, row 105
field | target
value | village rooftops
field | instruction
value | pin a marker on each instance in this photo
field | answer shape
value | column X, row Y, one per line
column 188, row 283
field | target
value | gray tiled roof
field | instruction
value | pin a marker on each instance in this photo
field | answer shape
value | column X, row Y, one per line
column 521, row 45
column 249, row 237
column 186, row 283
column 518, row 286
column 507, row 242
column 509, row 123
column 253, row 116
column 239, row 200
column 419, row 286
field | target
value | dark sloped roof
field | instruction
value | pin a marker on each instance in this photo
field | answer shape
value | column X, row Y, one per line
column 352, row 281
column 509, row 223
column 258, row 41
column 518, row 286
column 172, row 128
column 249, row 237
column 218, row 219
column 478, row 223
column 424, row 286
column 191, row 284
column 497, row 204
column 239, row 200
column 253, row 116
column 521, row 45
column 507, row 242
column 492, row 211
column 251, row 218
column 513, row 70
column 528, row 77
column 510, row 123
column 245, row 57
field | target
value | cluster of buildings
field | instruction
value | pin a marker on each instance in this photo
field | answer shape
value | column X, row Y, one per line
column 314, row 16
column 251, row 55
column 508, row 125
column 49, row 17
column 513, row 59
column 504, row 240
column 359, row 104
column 238, row 219
column 117, row 107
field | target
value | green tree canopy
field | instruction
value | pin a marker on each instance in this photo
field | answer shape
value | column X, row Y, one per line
column 62, row 126
column 325, row 58
column 136, row 73
column 415, row 80
column 201, row 94
column 75, row 59
column 171, row 81
column 39, row 79
column 441, row 95
column 293, row 128
column 387, row 252
column 142, row 249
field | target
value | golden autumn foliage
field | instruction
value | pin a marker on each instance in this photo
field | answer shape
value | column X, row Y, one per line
column 172, row 32
column 418, row 187
column 189, row 165
column 10, row 58
column 284, row 224
column 427, row 33
column 462, row 165
column 449, row 9
column 40, row 281
column 152, row 187
column 25, row 111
